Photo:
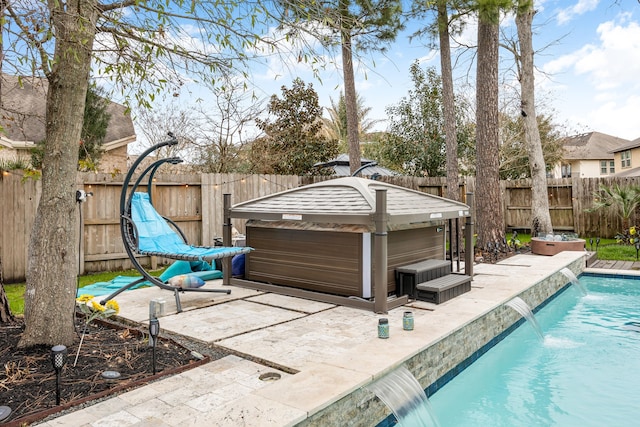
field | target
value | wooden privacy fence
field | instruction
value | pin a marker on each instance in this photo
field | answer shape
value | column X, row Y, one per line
column 194, row 202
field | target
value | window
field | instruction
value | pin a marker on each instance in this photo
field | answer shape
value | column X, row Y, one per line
column 607, row 167
column 566, row 170
column 625, row 157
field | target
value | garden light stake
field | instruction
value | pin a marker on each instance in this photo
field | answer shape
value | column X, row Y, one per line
column 58, row 359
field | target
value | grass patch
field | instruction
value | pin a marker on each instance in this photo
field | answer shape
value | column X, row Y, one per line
column 15, row 295
column 616, row 252
column 15, row 291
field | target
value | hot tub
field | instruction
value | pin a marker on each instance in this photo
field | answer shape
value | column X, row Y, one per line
column 551, row 247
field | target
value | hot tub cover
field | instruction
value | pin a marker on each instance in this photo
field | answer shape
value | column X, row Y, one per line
column 350, row 200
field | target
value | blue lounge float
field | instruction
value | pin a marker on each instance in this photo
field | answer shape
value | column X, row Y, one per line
column 147, row 233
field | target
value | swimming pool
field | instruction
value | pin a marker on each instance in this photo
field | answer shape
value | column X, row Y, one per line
column 586, row 372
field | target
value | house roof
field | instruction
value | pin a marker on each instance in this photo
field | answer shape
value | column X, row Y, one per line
column 628, row 173
column 592, row 146
column 633, row 144
column 350, row 200
column 22, row 115
column 340, row 166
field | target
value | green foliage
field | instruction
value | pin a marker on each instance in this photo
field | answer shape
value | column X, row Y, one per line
column 372, row 24
column 335, row 127
column 628, row 236
column 94, row 129
column 514, row 160
column 293, row 141
column 15, row 291
column 18, row 163
column 622, row 200
column 415, row 142
column 615, row 252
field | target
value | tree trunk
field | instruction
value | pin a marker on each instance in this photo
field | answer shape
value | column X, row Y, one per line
column 489, row 209
column 5, row 310
column 350, row 102
column 51, row 267
column 540, row 217
column 448, row 103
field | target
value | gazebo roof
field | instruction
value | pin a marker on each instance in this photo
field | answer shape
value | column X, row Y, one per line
column 350, row 200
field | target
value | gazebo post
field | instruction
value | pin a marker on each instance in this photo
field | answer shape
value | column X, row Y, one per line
column 380, row 253
column 226, row 237
column 468, row 238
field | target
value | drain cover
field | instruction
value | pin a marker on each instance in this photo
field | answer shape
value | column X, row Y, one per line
column 5, row 411
column 269, row 376
column 111, row 375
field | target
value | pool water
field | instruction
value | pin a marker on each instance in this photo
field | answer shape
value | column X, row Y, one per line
column 586, row 372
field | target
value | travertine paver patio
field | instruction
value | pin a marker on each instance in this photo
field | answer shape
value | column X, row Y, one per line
column 321, row 351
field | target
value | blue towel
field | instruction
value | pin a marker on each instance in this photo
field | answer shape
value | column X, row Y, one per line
column 106, row 288
column 197, row 268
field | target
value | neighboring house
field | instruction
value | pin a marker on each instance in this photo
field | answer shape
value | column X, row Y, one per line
column 22, row 115
column 627, row 159
column 340, row 166
column 589, row 155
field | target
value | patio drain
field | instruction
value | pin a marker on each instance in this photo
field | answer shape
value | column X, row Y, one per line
column 270, row 376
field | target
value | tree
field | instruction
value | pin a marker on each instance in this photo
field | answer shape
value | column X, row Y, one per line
column 293, row 141
column 362, row 25
column 5, row 310
column 144, row 47
column 448, row 102
column 155, row 124
column 335, row 127
column 51, row 266
column 415, row 139
column 222, row 136
column 489, row 218
column 94, row 129
column 514, row 158
column 540, row 216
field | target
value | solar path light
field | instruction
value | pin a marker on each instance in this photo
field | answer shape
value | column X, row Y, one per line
column 58, row 360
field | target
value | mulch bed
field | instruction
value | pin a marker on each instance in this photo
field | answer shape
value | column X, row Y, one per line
column 28, row 380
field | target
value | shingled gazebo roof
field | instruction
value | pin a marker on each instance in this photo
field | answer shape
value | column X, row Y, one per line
column 350, row 200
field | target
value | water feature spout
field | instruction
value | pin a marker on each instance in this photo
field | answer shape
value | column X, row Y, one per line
column 404, row 395
column 574, row 280
column 523, row 308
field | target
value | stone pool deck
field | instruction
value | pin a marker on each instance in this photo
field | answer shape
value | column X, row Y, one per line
column 323, row 353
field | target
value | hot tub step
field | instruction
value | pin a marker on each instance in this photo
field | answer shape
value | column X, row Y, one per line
column 408, row 276
column 443, row 289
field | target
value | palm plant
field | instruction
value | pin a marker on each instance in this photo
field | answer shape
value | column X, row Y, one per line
column 623, row 200
column 335, row 127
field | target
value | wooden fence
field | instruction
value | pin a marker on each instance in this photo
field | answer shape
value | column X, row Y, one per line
column 194, row 202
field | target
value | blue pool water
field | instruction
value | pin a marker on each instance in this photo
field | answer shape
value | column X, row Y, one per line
column 586, row 372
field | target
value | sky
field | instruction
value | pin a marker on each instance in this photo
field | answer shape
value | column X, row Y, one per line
column 587, row 56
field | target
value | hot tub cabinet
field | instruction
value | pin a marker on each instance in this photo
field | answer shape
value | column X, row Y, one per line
column 341, row 240
column 337, row 261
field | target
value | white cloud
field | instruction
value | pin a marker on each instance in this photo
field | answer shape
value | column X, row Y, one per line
column 617, row 117
column 581, row 7
column 598, row 82
column 616, row 61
